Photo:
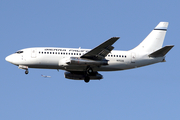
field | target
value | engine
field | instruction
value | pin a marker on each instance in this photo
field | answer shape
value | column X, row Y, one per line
column 82, row 61
column 81, row 75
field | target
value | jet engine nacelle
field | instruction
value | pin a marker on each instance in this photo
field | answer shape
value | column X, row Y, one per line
column 82, row 61
column 81, row 76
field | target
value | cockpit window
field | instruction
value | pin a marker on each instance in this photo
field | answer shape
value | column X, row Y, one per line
column 19, row 52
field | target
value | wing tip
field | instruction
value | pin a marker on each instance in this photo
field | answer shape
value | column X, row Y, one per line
column 115, row 37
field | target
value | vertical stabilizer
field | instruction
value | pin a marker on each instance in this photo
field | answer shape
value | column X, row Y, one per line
column 154, row 40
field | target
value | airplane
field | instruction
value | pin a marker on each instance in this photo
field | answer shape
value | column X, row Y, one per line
column 45, row 76
column 84, row 64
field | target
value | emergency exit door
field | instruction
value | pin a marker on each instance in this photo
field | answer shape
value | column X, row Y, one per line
column 33, row 53
column 133, row 57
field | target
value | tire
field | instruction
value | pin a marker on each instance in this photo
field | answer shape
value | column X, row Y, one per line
column 86, row 79
column 26, row 72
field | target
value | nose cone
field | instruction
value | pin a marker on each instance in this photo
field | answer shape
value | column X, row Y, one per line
column 9, row 59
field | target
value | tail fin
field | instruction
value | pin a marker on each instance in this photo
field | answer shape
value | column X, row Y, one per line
column 154, row 40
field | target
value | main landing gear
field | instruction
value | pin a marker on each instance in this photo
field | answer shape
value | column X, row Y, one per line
column 86, row 79
column 88, row 72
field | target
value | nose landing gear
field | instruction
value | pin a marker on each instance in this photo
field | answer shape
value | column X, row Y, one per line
column 26, row 72
column 24, row 68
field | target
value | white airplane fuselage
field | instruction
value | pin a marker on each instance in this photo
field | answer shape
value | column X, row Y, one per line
column 56, row 58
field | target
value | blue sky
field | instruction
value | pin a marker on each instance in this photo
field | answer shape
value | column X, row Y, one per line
column 151, row 92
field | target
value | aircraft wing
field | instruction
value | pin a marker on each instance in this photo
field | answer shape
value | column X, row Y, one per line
column 101, row 51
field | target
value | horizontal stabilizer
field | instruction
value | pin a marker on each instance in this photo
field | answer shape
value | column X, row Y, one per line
column 161, row 52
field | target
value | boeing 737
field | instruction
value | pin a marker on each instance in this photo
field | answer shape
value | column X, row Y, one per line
column 84, row 64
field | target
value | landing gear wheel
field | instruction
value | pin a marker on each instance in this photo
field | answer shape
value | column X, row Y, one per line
column 26, row 72
column 86, row 79
column 89, row 70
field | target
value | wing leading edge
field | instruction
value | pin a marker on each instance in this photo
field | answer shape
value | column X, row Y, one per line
column 101, row 51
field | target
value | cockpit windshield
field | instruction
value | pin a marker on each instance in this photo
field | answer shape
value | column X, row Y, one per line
column 19, row 52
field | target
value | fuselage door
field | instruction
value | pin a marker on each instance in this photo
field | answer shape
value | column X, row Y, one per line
column 33, row 53
column 133, row 57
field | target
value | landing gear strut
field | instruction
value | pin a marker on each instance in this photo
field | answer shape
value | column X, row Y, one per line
column 88, row 72
column 24, row 68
